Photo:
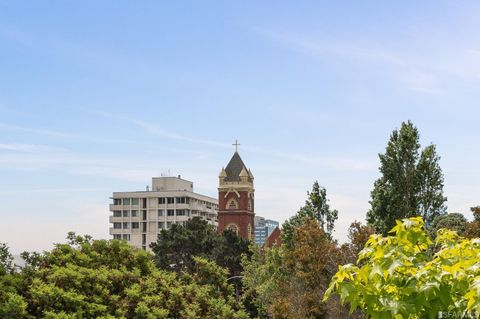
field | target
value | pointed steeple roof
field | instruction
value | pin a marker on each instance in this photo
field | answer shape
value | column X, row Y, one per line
column 235, row 167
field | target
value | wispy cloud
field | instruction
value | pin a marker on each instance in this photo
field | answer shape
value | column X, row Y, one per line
column 317, row 47
column 402, row 69
column 423, row 82
column 29, row 148
column 340, row 163
column 51, row 190
column 154, row 129
column 82, row 165
column 59, row 134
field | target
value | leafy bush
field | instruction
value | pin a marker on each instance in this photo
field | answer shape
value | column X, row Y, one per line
column 406, row 275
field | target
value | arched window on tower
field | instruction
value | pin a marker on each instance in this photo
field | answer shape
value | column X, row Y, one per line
column 249, row 231
column 233, row 227
column 232, row 204
column 250, row 204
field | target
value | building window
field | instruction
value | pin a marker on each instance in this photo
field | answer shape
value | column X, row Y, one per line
column 117, row 201
column 160, row 212
column 126, row 213
column 126, row 225
column 187, row 212
column 187, row 200
column 170, row 200
column 134, row 213
column 126, row 237
column 161, row 225
column 180, row 200
column 135, row 225
column 169, row 225
column 117, row 213
column 134, row 201
column 144, row 239
column 126, row 201
column 180, row 212
column 170, row 212
column 161, row 200
column 144, row 215
column 233, row 227
column 117, row 225
column 232, row 204
column 117, row 236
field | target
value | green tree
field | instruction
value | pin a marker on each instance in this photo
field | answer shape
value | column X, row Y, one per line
column 263, row 275
column 410, row 183
column 176, row 247
column 229, row 251
column 453, row 221
column 399, row 276
column 289, row 282
column 431, row 202
column 88, row 278
column 6, row 260
column 12, row 305
column 316, row 207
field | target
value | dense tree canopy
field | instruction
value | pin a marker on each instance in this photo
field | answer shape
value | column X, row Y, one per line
column 289, row 281
column 176, row 247
column 410, row 183
column 88, row 278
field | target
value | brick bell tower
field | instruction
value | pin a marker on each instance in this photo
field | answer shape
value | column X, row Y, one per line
column 235, row 198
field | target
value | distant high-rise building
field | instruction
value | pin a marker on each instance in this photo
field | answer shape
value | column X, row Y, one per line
column 263, row 229
column 139, row 216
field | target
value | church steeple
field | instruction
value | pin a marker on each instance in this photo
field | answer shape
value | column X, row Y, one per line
column 235, row 197
column 234, row 169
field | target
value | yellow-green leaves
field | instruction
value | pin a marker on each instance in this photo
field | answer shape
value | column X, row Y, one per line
column 401, row 276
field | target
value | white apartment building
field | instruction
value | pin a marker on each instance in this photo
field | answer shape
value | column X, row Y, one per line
column 138, row 217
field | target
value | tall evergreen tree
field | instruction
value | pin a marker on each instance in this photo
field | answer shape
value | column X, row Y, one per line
column 431, row 202
column 411, row 184
column 317, row 208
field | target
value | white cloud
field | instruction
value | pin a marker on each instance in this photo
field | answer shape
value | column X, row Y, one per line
column 431, row 72
column 155, row 129
column 338, row 163
column 58, row 134
column 51, row 190
column 29, row 148
column 423, row 82
column 317, row 47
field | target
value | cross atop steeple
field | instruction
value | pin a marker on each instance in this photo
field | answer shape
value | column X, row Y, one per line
column 236, row 144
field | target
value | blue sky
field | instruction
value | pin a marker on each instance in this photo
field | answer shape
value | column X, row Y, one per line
column 97, row 97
